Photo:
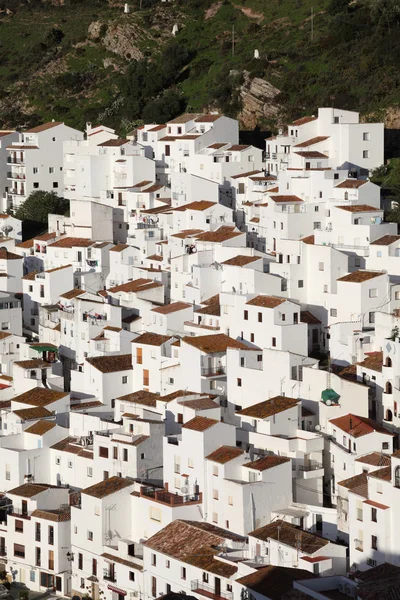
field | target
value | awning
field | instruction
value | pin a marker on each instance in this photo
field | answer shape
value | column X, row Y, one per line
column 116, row 590
column 44, row 348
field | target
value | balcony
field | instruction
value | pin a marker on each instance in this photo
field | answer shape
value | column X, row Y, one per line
column 109, row 575
column 217, row 371
column 20, row 513
column 15, row 161
column 359, row 545
column 11, row 175
column 168, row 498
column 209, row 591
column 201, row 326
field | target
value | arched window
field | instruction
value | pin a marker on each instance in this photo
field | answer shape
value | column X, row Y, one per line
column 388, row 387
column 389, row 415
column 388, row 362
column 397, row 477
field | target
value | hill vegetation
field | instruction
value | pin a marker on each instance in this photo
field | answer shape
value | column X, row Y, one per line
column 85, row 60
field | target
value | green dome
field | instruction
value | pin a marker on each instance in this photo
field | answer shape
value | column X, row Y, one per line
column 330, row 397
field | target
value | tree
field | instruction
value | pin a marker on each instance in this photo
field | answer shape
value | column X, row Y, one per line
column 39, row 204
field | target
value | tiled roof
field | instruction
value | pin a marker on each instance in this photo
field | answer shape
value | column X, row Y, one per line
column 238, row 147
column 240, row 260
column 283, row 199
column 28, row 490
column 208, row 118
column 135, row 286
column 357, row 484
column 107, row 487
column 360, row 276
column 214, row 343
column 311, row 154
column 39, row 397
column 247, row 174
column 194, row 543
column 121, row 561
column 290, row 535
column 309, row 318
column 210, row 309
column 140, row 397
column 200, row 403
column 273, row 582
column 266, row 462
column 312, row 141
column 111, row 363
column 358, row 426
column 114, row 143
column 349, row 184
column 199, row 205
column 40, row 428
column 72, row 294
column 358, row 208
column 224, row 454
column 303, row 121
column 385, row 240
column 309, row 240
column 58, row 516
column 153, row 188
column 266, row 301
column 119, row 248
column 385, row 473
column 28, row 414
column 44, row 127
column 199, row 423
column 373, row 361
column 270, row 407
column 379, row 583
column 376, row 459
column 171, row 308
column 71, row 446
column 71, row 242
column 7, row 255
column 221, row 234
column 157, row 128
column 217, row 145
column 151, row 339
column 185, row 118
column 187, row 233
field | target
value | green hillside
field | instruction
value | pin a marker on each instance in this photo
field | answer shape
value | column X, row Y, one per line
column 85, row 60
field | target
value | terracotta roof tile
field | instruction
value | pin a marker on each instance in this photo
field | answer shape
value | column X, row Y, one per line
column 44, row 127
column 114, row 143
column 185, row 118
column 374, row 361
column 385, row 474
column 240, row 260
column 28, row 490
column 39, row 397
column 200, row 403
column 303, row 121
column 135, row 286
column 119, row 248
column 71, row 242
column 199, row 423
column 57, row 516
column 141, row 397
column 315, row 140
column 270, row 407
column 385, row 240
column 273, row 582
column 111, row 363
column 151, row 339
column 358, row 426
column 290, row 535
column 283, row 199
column 121, row 561
column 72, row 294
column 309, row 318
column 108, row 486
column 208, row 118
column 376, row 459
column 171, row 308
column 359, row 208
column 224, row 454
column 40, row 428
column 219, row 235
column 311, row 154
column 187, row 233
column 266, row 462
column 266, row 301
column 211, row 344
column 348, row 184
column 310, row 240
column 28, row 414
column 360, row 276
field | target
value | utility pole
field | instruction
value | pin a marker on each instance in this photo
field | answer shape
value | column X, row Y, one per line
column 233, row 40
column 312, row 23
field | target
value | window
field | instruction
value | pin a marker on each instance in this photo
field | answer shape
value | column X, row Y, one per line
column 115, row 453
column 300, row 283
column 32, row 576
column 19, row 550
column 373, row 293
column 155, row 514
column 365, row 153
column 215, row 494
column 215, row 471
column 90, row 471
column 239, row 382
column 371, row 317
column 58, row 460
column 80, row 561
column 374, row 542
column 215, row 517
column 131, row 576
column 230, row 500
column 142, row 456
column 70, row 464
column 36, row 185
column 321, row 266
column 273, row 342
column 333, row 312
column 90, row 536
column 51, row 560
column 317, row 225
column 252, row 337
column 153, row 560
column 125, row 379
column 51, row 535
column 37, row 532
column 35, row 170
column 146, row 378
column 103, row 452
column 94, row 566
column 283, row 317
column 385, row 445
column 55, row 184
column 139, row 356
column 37, row 557
column 125, row 455
column 246, row 315
column 105, row 475
column 167, row 564
column 19, row 526
column 366, row 136
column 260, row 317
column 183, row 572
column 374, row 515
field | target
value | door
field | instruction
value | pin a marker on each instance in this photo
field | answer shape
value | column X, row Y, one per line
column 217, row 586
column 22, row 575
column 145, row 378
column 167, row 150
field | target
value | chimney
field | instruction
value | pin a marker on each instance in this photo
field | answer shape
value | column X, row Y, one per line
column 351, row 424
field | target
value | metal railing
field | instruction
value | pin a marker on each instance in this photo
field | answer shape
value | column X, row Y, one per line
column 311, row 467
column 210, row 591
column 213, row 371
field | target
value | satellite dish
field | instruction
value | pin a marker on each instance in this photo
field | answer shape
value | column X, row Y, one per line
column 7, row 228
column 328, row 403
column 367, row 377
column 318, row 428
column 184, row 490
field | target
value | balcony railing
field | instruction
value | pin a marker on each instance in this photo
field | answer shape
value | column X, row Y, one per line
column 213, row 371
column 209, row 591
column 359, row 545
column 15, row 161
column 169, row 498
column 311, row 467
column 109, row 575
column 19, row 512
column 11, row 175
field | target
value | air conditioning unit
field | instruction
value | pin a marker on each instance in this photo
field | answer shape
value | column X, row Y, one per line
column 342, row 587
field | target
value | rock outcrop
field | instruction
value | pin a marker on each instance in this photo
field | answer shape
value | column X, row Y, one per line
column 120, row 39
column 258, row 101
